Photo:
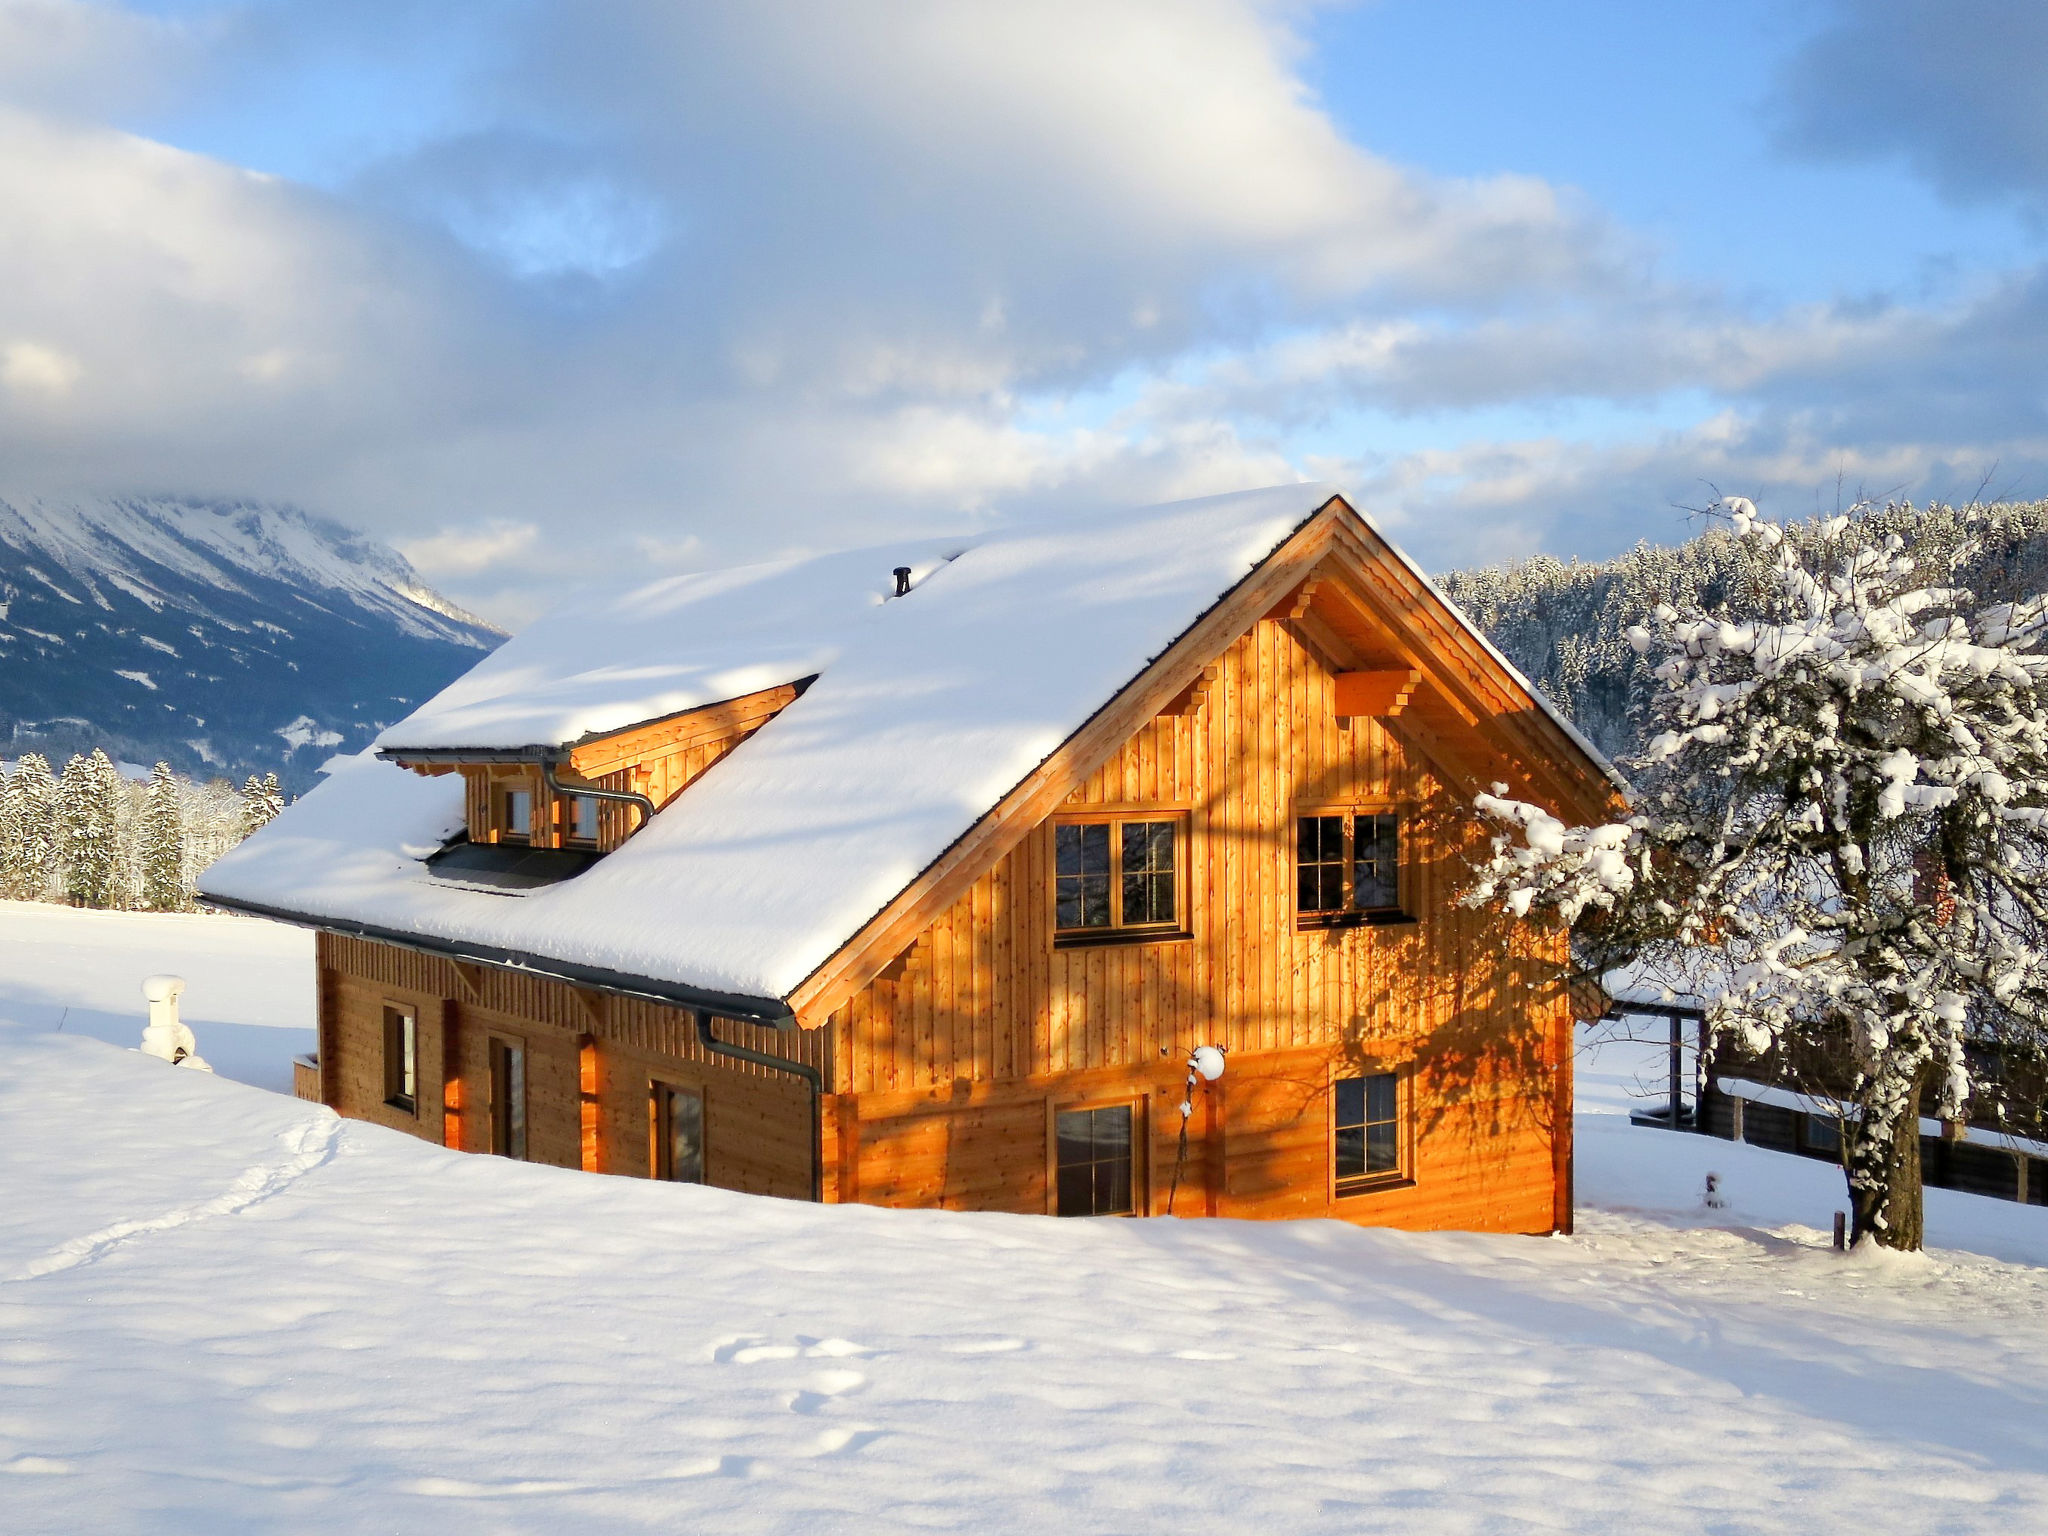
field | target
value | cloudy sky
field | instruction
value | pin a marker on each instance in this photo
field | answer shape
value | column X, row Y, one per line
column 532, row 289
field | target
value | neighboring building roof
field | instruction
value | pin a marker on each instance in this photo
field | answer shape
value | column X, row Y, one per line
column 928, row 710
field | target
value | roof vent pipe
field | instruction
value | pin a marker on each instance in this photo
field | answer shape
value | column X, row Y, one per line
column 902, row 579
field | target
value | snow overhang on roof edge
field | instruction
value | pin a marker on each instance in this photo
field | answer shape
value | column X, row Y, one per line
column 772, row 1012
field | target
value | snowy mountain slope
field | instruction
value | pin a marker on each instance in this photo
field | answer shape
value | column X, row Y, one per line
column 223, row 636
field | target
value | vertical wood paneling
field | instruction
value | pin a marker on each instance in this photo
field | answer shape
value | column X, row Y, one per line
column 988, row 1003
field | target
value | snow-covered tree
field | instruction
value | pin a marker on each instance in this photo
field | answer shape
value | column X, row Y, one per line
column 28, row 829
column 160, row 845
column 88, row 824
column 261, row 800
column 1840, row 835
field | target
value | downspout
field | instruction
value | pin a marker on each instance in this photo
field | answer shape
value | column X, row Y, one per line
column 623, row 796
column 810, row 1074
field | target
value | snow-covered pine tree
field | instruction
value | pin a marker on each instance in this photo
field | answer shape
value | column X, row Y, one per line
column 89, row 832
column 28, row 854
column 160, row 845
column 1840, row 836
column 261, row 800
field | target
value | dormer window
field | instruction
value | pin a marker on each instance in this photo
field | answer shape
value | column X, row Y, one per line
column 579, row 820
column 515, row 815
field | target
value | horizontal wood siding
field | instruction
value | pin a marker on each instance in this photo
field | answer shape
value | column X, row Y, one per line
column 757, row 1121
column 983, row 1020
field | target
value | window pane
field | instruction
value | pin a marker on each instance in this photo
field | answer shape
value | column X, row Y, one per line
column 1094, row 1152
column 1148, row 871
column 1351, row 1101
column 508, row 1099
column 518, row 813
column 683, row 1124
column 583, row 819
column 1081, row 875
column 1350, row 1151
column 1376, row 878
column 1368, row 1126
column 408, row 1055
column 1382, row 1094
column 1319, row 847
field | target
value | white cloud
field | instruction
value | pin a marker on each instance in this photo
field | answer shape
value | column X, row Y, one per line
column 657, row 283
column 30, row 368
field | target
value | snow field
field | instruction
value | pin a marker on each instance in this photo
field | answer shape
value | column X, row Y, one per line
column 250, row 996
column 221, row 1309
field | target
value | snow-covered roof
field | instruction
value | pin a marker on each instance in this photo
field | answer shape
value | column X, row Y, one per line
column 927, row 710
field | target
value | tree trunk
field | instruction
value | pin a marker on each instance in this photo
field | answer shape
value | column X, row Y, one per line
column 1883, row 1168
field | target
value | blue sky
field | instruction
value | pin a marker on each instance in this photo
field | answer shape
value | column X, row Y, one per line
column 534, row 290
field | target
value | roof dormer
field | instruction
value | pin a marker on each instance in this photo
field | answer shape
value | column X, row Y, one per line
column 538, row 815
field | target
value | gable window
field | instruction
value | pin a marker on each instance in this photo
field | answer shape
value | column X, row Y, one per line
column 508, row 1098
column 1367, row 1139
column 1093, row 1161
column 515, row 807
column 1117, row 875
column 678, row 1134
column 1348, row 866
column 401, row 1059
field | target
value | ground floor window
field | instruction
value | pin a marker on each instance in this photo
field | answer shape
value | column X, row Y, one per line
column 1367, row 1141
column 508, row 1098
column 678, row 1134
column 401, row 1059
column 1093, row 1176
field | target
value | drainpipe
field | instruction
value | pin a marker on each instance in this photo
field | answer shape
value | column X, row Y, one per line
column 810, row 1074
column 623, row 796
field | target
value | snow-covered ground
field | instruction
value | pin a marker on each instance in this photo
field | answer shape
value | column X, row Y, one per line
column 249, row 984
column 222, row 1309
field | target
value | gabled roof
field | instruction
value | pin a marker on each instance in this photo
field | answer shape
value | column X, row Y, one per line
column 930, row 712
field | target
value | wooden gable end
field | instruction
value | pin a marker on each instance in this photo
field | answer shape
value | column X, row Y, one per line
column 1351, row 605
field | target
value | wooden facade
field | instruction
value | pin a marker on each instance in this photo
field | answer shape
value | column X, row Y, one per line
column 952, row 1035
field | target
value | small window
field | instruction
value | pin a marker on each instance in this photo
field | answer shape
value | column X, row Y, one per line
column 1821, row 1134
column 678, row 1134
column 401, row 1059
column 1112, row 875
column 1094, row 1161
column 516, row 806
column 1368, row 1130
column 1348, row 866
column 579, row 819
column 508, row 1099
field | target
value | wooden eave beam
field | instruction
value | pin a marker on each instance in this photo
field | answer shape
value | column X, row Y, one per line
column 1381, row 694
column 927, row 897
column 622, row 749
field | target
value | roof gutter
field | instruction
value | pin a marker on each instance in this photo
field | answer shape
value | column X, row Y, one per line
column 772, row 1012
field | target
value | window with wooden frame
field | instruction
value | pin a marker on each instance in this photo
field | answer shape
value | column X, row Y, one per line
column 1095, row 1164
column 578, row 817
column 508, row 1097
column 1368, row 1141
column 677, row 1139
column 1348, row 867
column 1119, row 877
column 515, row 814
column 401, row 1059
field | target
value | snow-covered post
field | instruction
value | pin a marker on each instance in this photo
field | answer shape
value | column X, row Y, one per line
column 1205, row 1065
column 166, row 1035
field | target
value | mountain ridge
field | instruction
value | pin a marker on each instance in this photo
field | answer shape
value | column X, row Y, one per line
column 223, row 636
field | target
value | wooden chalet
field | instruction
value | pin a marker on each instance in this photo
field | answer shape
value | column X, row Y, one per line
column 914, row 881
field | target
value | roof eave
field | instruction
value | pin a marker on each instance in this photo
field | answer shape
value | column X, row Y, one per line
column 770, row 1012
